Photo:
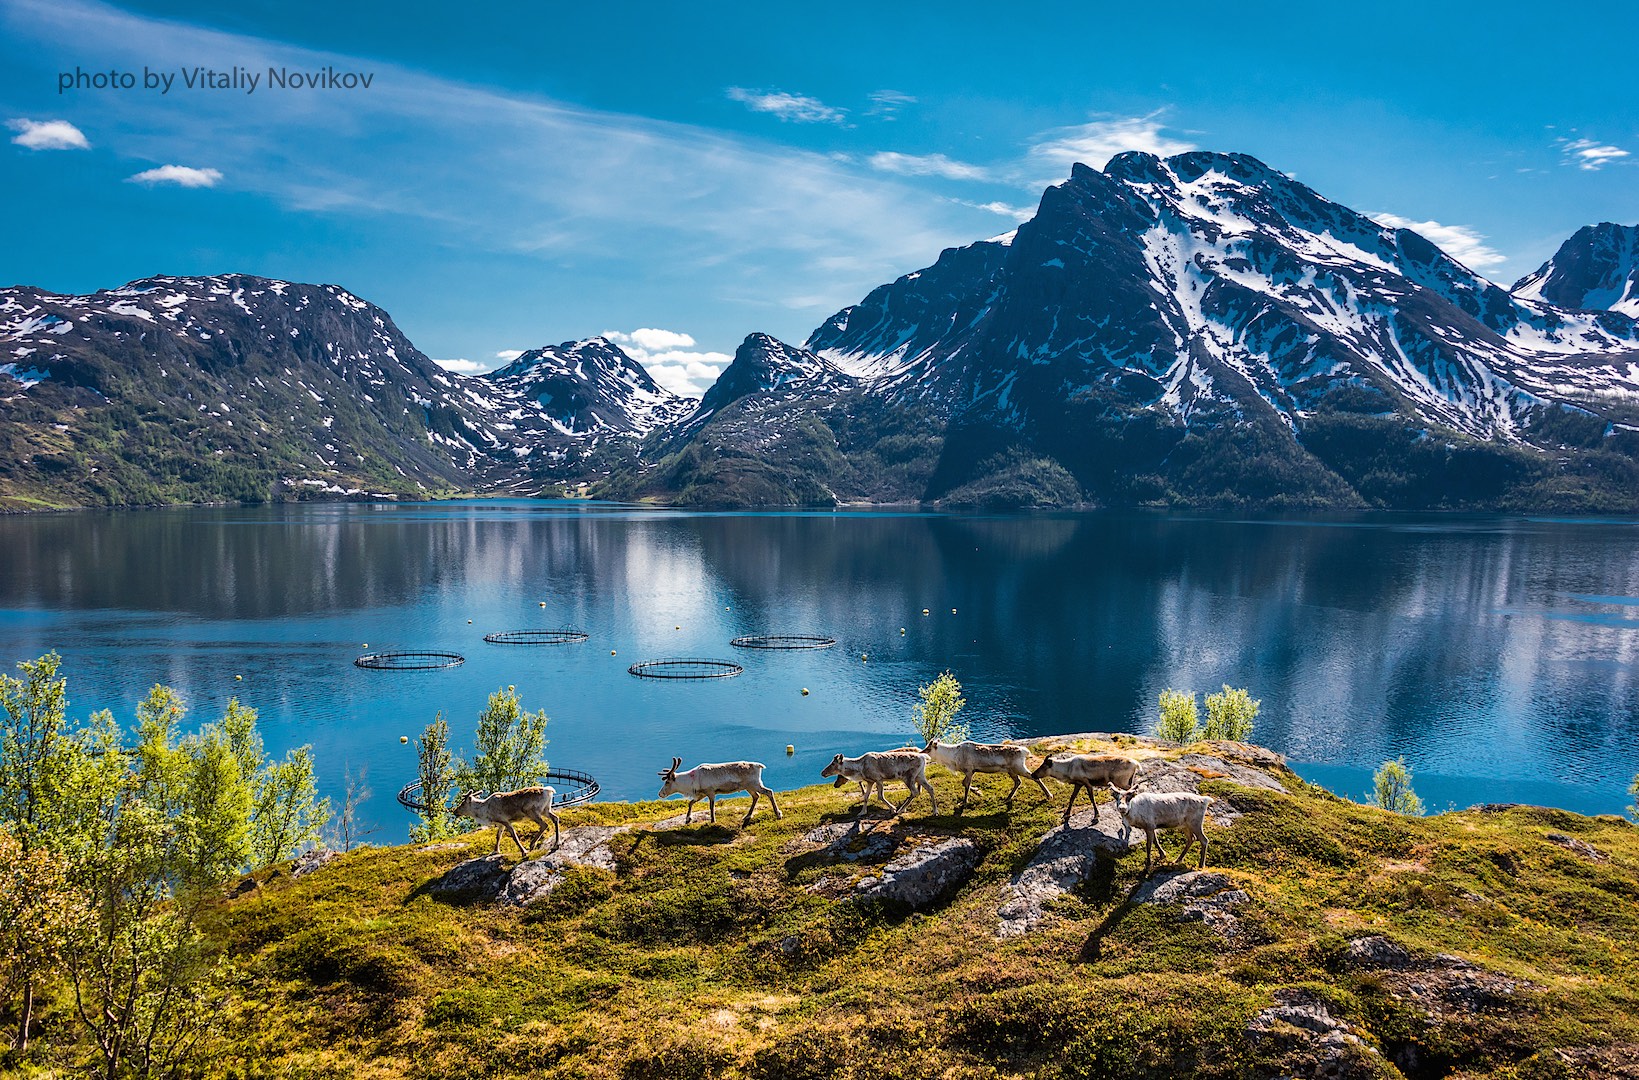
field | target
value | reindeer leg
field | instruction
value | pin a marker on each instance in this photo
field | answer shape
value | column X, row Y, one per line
column 1048, row 795
column 522, row 854
column 751, row 811
column 967, row 786
column 689, row 813
column 556, row 843
column 1075, row 789
column 1202, row 864
column 711, row 801
column 770, row 793
column 497, row 840
column 1014, row 791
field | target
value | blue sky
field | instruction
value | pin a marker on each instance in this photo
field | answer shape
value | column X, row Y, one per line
column 519, row 174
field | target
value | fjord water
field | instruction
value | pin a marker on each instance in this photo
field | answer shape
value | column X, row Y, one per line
column 1498, row 655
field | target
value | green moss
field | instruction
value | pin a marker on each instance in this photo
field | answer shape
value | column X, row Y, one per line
column 709, row 952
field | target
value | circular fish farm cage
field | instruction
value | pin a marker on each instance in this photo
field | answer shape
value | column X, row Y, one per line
column 570, row 787
column 564, row 636
column 784, row 641
column 409, row 661
column 685, row 668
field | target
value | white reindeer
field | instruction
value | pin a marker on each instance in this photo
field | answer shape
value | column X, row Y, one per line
column 878, row 767
column 1087, row 771
column 968, row 758
column 709, row 781
column 1152, row 810
column 502, row 808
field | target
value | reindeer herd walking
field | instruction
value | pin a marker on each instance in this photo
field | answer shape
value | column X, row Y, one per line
column 1147, row 810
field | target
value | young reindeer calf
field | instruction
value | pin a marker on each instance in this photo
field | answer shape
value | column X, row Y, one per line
column 504, row 807
column 1152, row 810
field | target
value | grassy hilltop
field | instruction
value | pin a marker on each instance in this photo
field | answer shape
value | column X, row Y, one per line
column 1467, row 944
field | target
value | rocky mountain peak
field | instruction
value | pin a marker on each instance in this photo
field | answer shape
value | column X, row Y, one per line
column 1596, row 269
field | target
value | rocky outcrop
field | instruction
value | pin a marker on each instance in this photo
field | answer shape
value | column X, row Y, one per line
column 1197, row 894
column 1310, row 1041
column 309, row 861
column 922, row 876
column 1065, row 858
column 488, row 879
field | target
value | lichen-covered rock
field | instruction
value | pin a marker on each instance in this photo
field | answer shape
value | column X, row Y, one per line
column 849, row 842
column 476, row 879
column 1378, row 953
column 1065, row 858
column 1311, row 1041
column 584, row 845
column 1233, row 771
column 1579, row 847
column 924, row 875
column 309, row 861
column 1198, row 894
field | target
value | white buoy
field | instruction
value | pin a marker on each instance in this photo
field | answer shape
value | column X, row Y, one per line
column 238, row 678
column 403, row 738
column 924, row 611
column 805, row 691
column 790, row 749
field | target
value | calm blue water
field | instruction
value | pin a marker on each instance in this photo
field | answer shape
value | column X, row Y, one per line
column 1498, row 655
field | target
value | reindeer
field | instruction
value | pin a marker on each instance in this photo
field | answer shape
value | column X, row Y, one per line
column 504, row 807
column 878, row 767
column 709, row 781
column 968, row 758
column 1154, row 810
column 1087, row 771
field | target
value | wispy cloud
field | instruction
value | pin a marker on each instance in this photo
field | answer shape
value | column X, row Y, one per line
column 927, row 165
column 671, row 359
column 507, row 356
column 1459, row 241
column 1097, row 141
column 1589, row 155
column 1017, row 213
column 48, row 135
column 795, row 108
column 886, row 104
column 465, row 367
column 181, row 175
column 609, row 196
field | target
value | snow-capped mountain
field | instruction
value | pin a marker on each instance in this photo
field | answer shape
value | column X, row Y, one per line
column 1205, row 329
column 236, row 387
column 1196, row 330
column 1596, row 269
column 763, row 364
column 591, row 388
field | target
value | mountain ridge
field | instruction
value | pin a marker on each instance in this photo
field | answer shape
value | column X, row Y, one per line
column 1197, row 330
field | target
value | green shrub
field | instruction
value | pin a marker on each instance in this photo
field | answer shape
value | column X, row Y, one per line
column 1392, row 789
column 1230, row 715
column 1180, row 719
column 936, row 713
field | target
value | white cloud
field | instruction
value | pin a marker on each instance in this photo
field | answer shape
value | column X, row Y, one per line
column 181, row 175
column 1096, row 142
column 1588, row 155
column 507, row 356
column 583, row 196
column 1017, row 213
column 1459, row 241
column 670, row 359
column 887, row 103
column 465, row 367
column 927, row 165
column 793, row 107
column 47, row 135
